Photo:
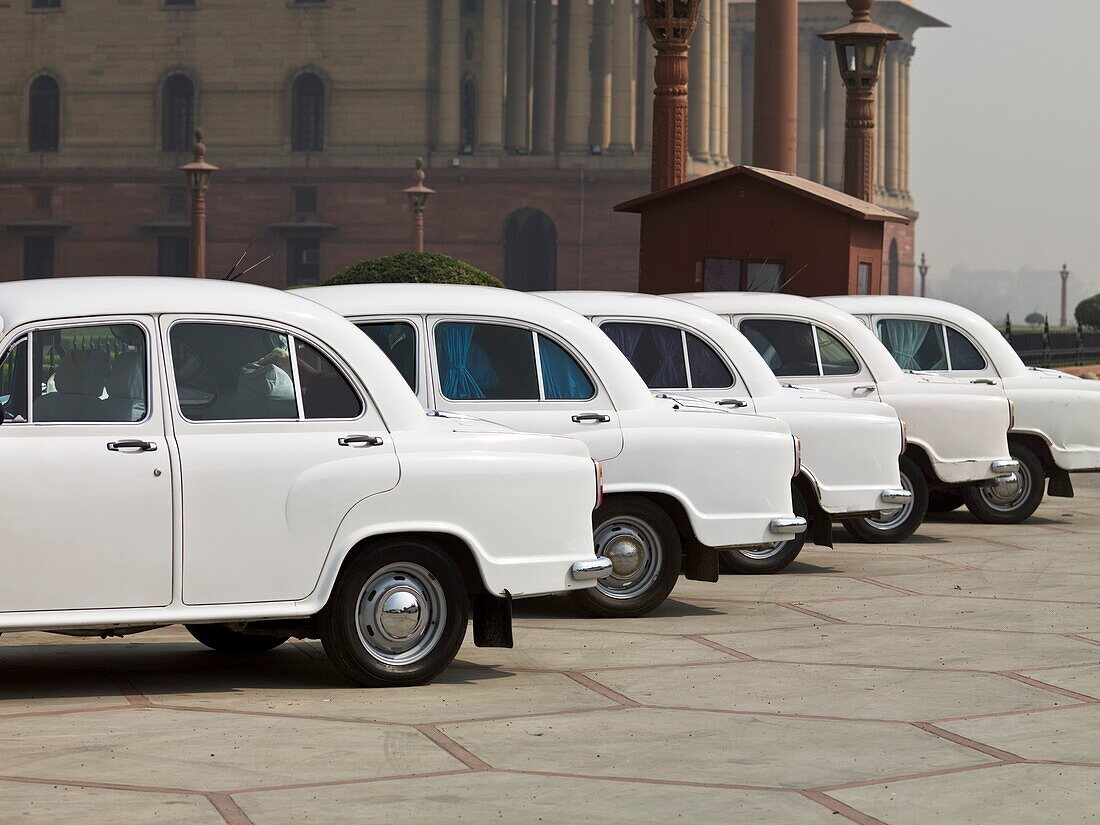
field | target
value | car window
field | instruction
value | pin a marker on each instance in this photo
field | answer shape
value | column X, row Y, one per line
column 655, row 351
column 787, row 346
column 708, row 370
column 13, row 383
column 231, row 372
column 964, row 355
column 563, row 379
column 90, row 374
column 835, row 357
column 397, row 339
column 486, row 361
column 915, row 344
column 326, row 393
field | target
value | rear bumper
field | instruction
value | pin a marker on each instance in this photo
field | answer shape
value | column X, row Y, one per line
column 1005, row 467
column 899, row 497
column 788, row 526
column 591, row 570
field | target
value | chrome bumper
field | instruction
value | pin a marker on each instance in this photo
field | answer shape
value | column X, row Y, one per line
column 787, row 526
column 591, row 569
column 1005, row 484
column 1005, row 467
column 896, row 496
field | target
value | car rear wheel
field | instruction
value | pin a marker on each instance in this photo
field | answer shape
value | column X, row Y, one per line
column 896, row 525
column 769, row 559
column 646, row 556
column 397, row 615
column 225, row 639
column 996, row 506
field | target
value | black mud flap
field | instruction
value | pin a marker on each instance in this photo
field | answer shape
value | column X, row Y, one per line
column 1060, row 484
column 492, row 620
column 821, row 531
column 700, row 562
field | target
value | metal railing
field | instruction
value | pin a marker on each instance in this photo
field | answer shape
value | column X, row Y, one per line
column 1044, row 348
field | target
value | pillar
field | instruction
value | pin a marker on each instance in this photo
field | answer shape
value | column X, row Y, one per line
column 906, row 60
column 543, row 70
column 724, row 85
column 735, row 103
column 818, row 109
column 835, row 117
column 714, row 136
column 647, row 60
column 491, row 100
column 624, row 38
column 805, row 90
column 699, row 91
column 892, row 123
column 600, row 116
column 448, row 136
column 578, row 85
column 517, row 99
column 880, row 140
column 748, row 93
column 775, row 138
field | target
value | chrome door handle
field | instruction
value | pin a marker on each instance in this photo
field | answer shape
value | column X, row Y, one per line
column 365, row 440
column 134, row 445
column 594, row 418
column 733, row 402
column 864, row 388
column 988, row 381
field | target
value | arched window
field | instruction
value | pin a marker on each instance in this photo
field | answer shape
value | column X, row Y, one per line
column 44, row 134
column 307, row 131
column 895, row 267
column 178, row 125
column 530, row 251
column 469, row 115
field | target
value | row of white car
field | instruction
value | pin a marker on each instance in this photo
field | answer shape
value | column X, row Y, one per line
column 258, row 465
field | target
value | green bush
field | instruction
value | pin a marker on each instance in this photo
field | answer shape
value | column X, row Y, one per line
column 413, row 268
column 1035, row 319
column 1088, row 312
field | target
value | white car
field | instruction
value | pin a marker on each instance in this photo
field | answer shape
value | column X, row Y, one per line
column 683, row 479
column 957, row 432
column 233, row 458
column 1057, row 427
column 682, row 349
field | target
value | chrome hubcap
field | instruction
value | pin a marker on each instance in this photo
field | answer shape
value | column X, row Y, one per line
column 1008, row 497
column 895, row 518
column 635, row 553
column 763, row 553
column 401, row 614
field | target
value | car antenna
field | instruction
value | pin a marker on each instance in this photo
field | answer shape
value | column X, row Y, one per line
column 754, row 289
column 240, row 275
column 783, row 285
column 232, row 269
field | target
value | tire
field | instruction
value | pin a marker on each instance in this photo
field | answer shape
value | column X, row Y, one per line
column 635, row 525
column 773, row 559
column 945, row 501
column 403, row 646
column 224, row 639
column 899, row 524
column 985, row 505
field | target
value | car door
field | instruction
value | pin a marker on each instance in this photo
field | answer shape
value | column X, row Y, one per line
column 521, row 377
column 927, row 344
column 86, row 486
column 277, row 442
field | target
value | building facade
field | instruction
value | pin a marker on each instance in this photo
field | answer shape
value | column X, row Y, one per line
column 532, row 116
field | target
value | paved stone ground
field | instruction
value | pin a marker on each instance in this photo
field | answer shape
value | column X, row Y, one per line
column 954, row 678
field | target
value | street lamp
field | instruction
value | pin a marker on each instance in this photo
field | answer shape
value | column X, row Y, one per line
column 671, row 23
column 860, row 48
column 198, row 174
column 1065, row 273
column 418, row 201
column 923, row 273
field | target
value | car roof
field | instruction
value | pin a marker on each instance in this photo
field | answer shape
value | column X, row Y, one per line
column 28, row 302
column 749, row 363
column 1005, row 358
column 878, row 359
column 622, row 382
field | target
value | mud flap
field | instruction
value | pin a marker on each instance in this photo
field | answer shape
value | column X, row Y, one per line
column 1060, row 484
column 821, row 531
column 700, row 562
column 492, row 620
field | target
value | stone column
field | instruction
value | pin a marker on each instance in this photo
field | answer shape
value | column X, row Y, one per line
column 647, row 64
column 818, row 109
column 714, row 136
column 837, row 97
column 892, row 125
column 450, row 78
column 491, row 97
column 578, row 83
column 736, row 105
column 805, row 92
column 600, row 124
column 906, row 60
column 518, row 95
column 748, row 96
column 724, row 85
column 624, row 39
column 880, row 140
column 543, row 107
column 699, row 90
column 775, row 133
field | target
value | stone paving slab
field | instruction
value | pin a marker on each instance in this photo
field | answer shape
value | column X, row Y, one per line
column 23, row 802
column 1083, row 680
column 1072, row 735
column 1005, row 584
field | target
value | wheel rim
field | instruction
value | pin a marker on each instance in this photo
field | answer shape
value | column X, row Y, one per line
column 895, row 518
column 636, row 554
column 1006, row 500
column 763, row 553
column 400, row 614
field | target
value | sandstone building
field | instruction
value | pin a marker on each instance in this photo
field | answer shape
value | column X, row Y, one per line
column 532, row 116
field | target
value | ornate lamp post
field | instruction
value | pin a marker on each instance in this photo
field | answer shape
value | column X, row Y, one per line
column 1065, row 273
column 671, row 22
column 418, row 201
column 198, row 181
column 860, row 48
column 923, row 274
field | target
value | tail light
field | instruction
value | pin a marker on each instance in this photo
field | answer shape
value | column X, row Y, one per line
column 599, row 484
column 797, row 456
column 904, row 437
column 1011, row 414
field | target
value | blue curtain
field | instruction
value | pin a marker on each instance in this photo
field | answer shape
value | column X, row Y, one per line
column 459, row 383
column 562, row 377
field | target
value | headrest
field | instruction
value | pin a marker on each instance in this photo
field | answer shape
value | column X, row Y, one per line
column 127, row 377
column 82, row 372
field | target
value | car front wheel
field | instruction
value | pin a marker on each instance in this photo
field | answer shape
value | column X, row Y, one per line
column 397, row 615
column 646, row 555
column 224, row 639
column 769, row 559
column 1015, row 504
column 896, row 525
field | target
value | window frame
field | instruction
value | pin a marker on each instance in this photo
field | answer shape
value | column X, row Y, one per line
column 397, row 319
column 33, row 145
column 738, row 320
column 943, row 325
column 14, row 341
column 684, row 332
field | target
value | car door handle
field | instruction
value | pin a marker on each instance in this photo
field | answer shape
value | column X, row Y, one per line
column 988, row 381
column 366, row 440
column 733, row 402
column 132, row 445
column 864, row 388
column 591, row 418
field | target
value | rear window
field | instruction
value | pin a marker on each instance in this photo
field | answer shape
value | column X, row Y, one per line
column 492, row 362
column 397, row 339
column 787, row 346
column 964, row 355
column 915, row 344
column 669, row 358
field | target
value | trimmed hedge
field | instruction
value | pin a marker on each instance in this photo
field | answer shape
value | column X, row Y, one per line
column 413, row 268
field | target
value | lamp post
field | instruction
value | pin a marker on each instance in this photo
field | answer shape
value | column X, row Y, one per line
column 860, row 47
column 671, row 23
column 923, row 268
column 418, row 201
column 198, row 174
column 1065, row 297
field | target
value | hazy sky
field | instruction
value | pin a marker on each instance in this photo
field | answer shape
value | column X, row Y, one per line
column 1006, row 135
